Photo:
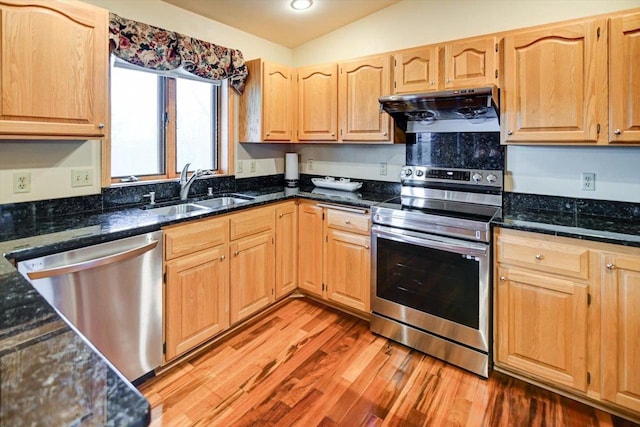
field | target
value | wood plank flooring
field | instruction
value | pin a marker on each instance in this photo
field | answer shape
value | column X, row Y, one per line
column 309, row 365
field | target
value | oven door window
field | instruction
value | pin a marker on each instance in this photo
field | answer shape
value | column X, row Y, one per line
column 440, row 283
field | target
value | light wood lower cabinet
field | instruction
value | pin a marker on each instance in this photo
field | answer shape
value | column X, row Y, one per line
column 566, row 315
column 252, row 275
column 334, row 255
column 196, row 284
column 286, row 248
column 196, row 299
column 621, row 330
column 542, row 326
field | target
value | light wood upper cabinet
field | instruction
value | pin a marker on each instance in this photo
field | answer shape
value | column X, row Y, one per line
column 555, row 84
column 53, row 71
column 310, row 247
column 360, row 84
column 621, row 330
column 471, row 62
column 624, row 75
column 416, row 70
column 318, row 103
column 542, row 326
column 266, row 107
column 286, row 248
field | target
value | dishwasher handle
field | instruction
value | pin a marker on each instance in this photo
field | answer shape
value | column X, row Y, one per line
column 93, row 263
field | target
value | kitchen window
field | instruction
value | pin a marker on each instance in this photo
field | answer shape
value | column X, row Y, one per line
column 159, row 123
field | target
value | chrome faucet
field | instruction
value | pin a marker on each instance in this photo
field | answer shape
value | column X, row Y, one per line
column 185, row 184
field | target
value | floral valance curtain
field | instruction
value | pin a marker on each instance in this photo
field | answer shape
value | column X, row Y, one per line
column 161, row 50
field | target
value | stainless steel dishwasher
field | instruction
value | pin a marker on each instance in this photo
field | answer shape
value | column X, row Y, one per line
column 112, row 294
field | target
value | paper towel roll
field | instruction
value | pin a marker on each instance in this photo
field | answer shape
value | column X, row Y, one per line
column 291, row 174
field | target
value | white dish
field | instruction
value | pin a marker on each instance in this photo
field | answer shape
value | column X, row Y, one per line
column 336, row 184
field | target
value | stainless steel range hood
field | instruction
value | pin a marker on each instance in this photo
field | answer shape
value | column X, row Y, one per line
column 459, row 110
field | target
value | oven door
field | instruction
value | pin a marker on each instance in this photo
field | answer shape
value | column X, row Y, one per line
column 434, row 283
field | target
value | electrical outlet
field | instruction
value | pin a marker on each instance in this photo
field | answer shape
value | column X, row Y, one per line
column 252, row 166
column 310, row 165
column 81, row 177
column 239, row 168
column 588, row 181
column 22, row 182
column 383, row 169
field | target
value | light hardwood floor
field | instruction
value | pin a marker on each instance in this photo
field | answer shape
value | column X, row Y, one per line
column 309, row 365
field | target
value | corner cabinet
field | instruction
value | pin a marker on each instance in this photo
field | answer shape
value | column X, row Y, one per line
column 266, row 107
column 318, row 103
column 555, row 84
column 334, row 254
column 53, row 73
column 360, row 84
column 624, row 75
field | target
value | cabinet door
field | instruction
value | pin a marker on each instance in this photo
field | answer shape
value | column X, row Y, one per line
column 470, row 63
column 53, row 72
column 277, row 102
column 361, row 83
column 310, row 257
column 286, row 248
column 318, row 103
column 251, row 275
column 555, row 84
column 621, row 331
column 624, row 75
column 196, row 300
column 416, row 70
column 347, row 269
column 542, row 326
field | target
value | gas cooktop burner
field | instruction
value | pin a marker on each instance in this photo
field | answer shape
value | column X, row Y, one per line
column 472, row 112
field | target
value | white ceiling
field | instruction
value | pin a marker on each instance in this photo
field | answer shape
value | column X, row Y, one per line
column 276, row 21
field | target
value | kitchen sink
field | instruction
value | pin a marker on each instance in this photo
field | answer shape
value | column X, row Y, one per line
column 220, row 202
column 182, row 209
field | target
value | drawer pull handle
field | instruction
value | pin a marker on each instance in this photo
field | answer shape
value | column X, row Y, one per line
column 539, row 257
column 236, row 253
column 502, row 278
column 611, row 266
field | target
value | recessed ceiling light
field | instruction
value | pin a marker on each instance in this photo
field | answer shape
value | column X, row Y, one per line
column 301, row 4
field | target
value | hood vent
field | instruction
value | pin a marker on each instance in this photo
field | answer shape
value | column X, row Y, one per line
column 460, row 110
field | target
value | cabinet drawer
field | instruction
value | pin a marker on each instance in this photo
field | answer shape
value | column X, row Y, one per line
column 348, row 221
column 544, row 255
column 252, row 222
column 193, row 237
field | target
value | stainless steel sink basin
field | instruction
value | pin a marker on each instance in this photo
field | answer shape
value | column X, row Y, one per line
column 220, row 202
column 182, row 209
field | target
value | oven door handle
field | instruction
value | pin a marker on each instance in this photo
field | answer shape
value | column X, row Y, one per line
column 429, row 241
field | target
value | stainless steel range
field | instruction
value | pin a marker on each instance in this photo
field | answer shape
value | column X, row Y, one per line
column 431, row 269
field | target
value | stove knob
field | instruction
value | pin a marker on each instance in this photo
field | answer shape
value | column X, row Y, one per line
column 419, row 172
column 477, row 177
column 492, row 178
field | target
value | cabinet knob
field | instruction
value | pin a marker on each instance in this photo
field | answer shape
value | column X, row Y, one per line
column 333, row 134
column 384, row 134
column 100, row 125
column 346, row 221
column 611, row 266
column 432, row 83
column 617, row 131
column 366, row 246
column 509, row 132
column 236, row 253
column 280, row 216
column 222, row 258
column 448, row 80
column 539, row 257
column 268, row 133
column 502, row 278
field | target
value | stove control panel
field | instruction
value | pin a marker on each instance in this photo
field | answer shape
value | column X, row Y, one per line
column 417, row 175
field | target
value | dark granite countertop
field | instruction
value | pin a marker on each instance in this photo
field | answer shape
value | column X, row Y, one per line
column 49, row 374
column 601, row 221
